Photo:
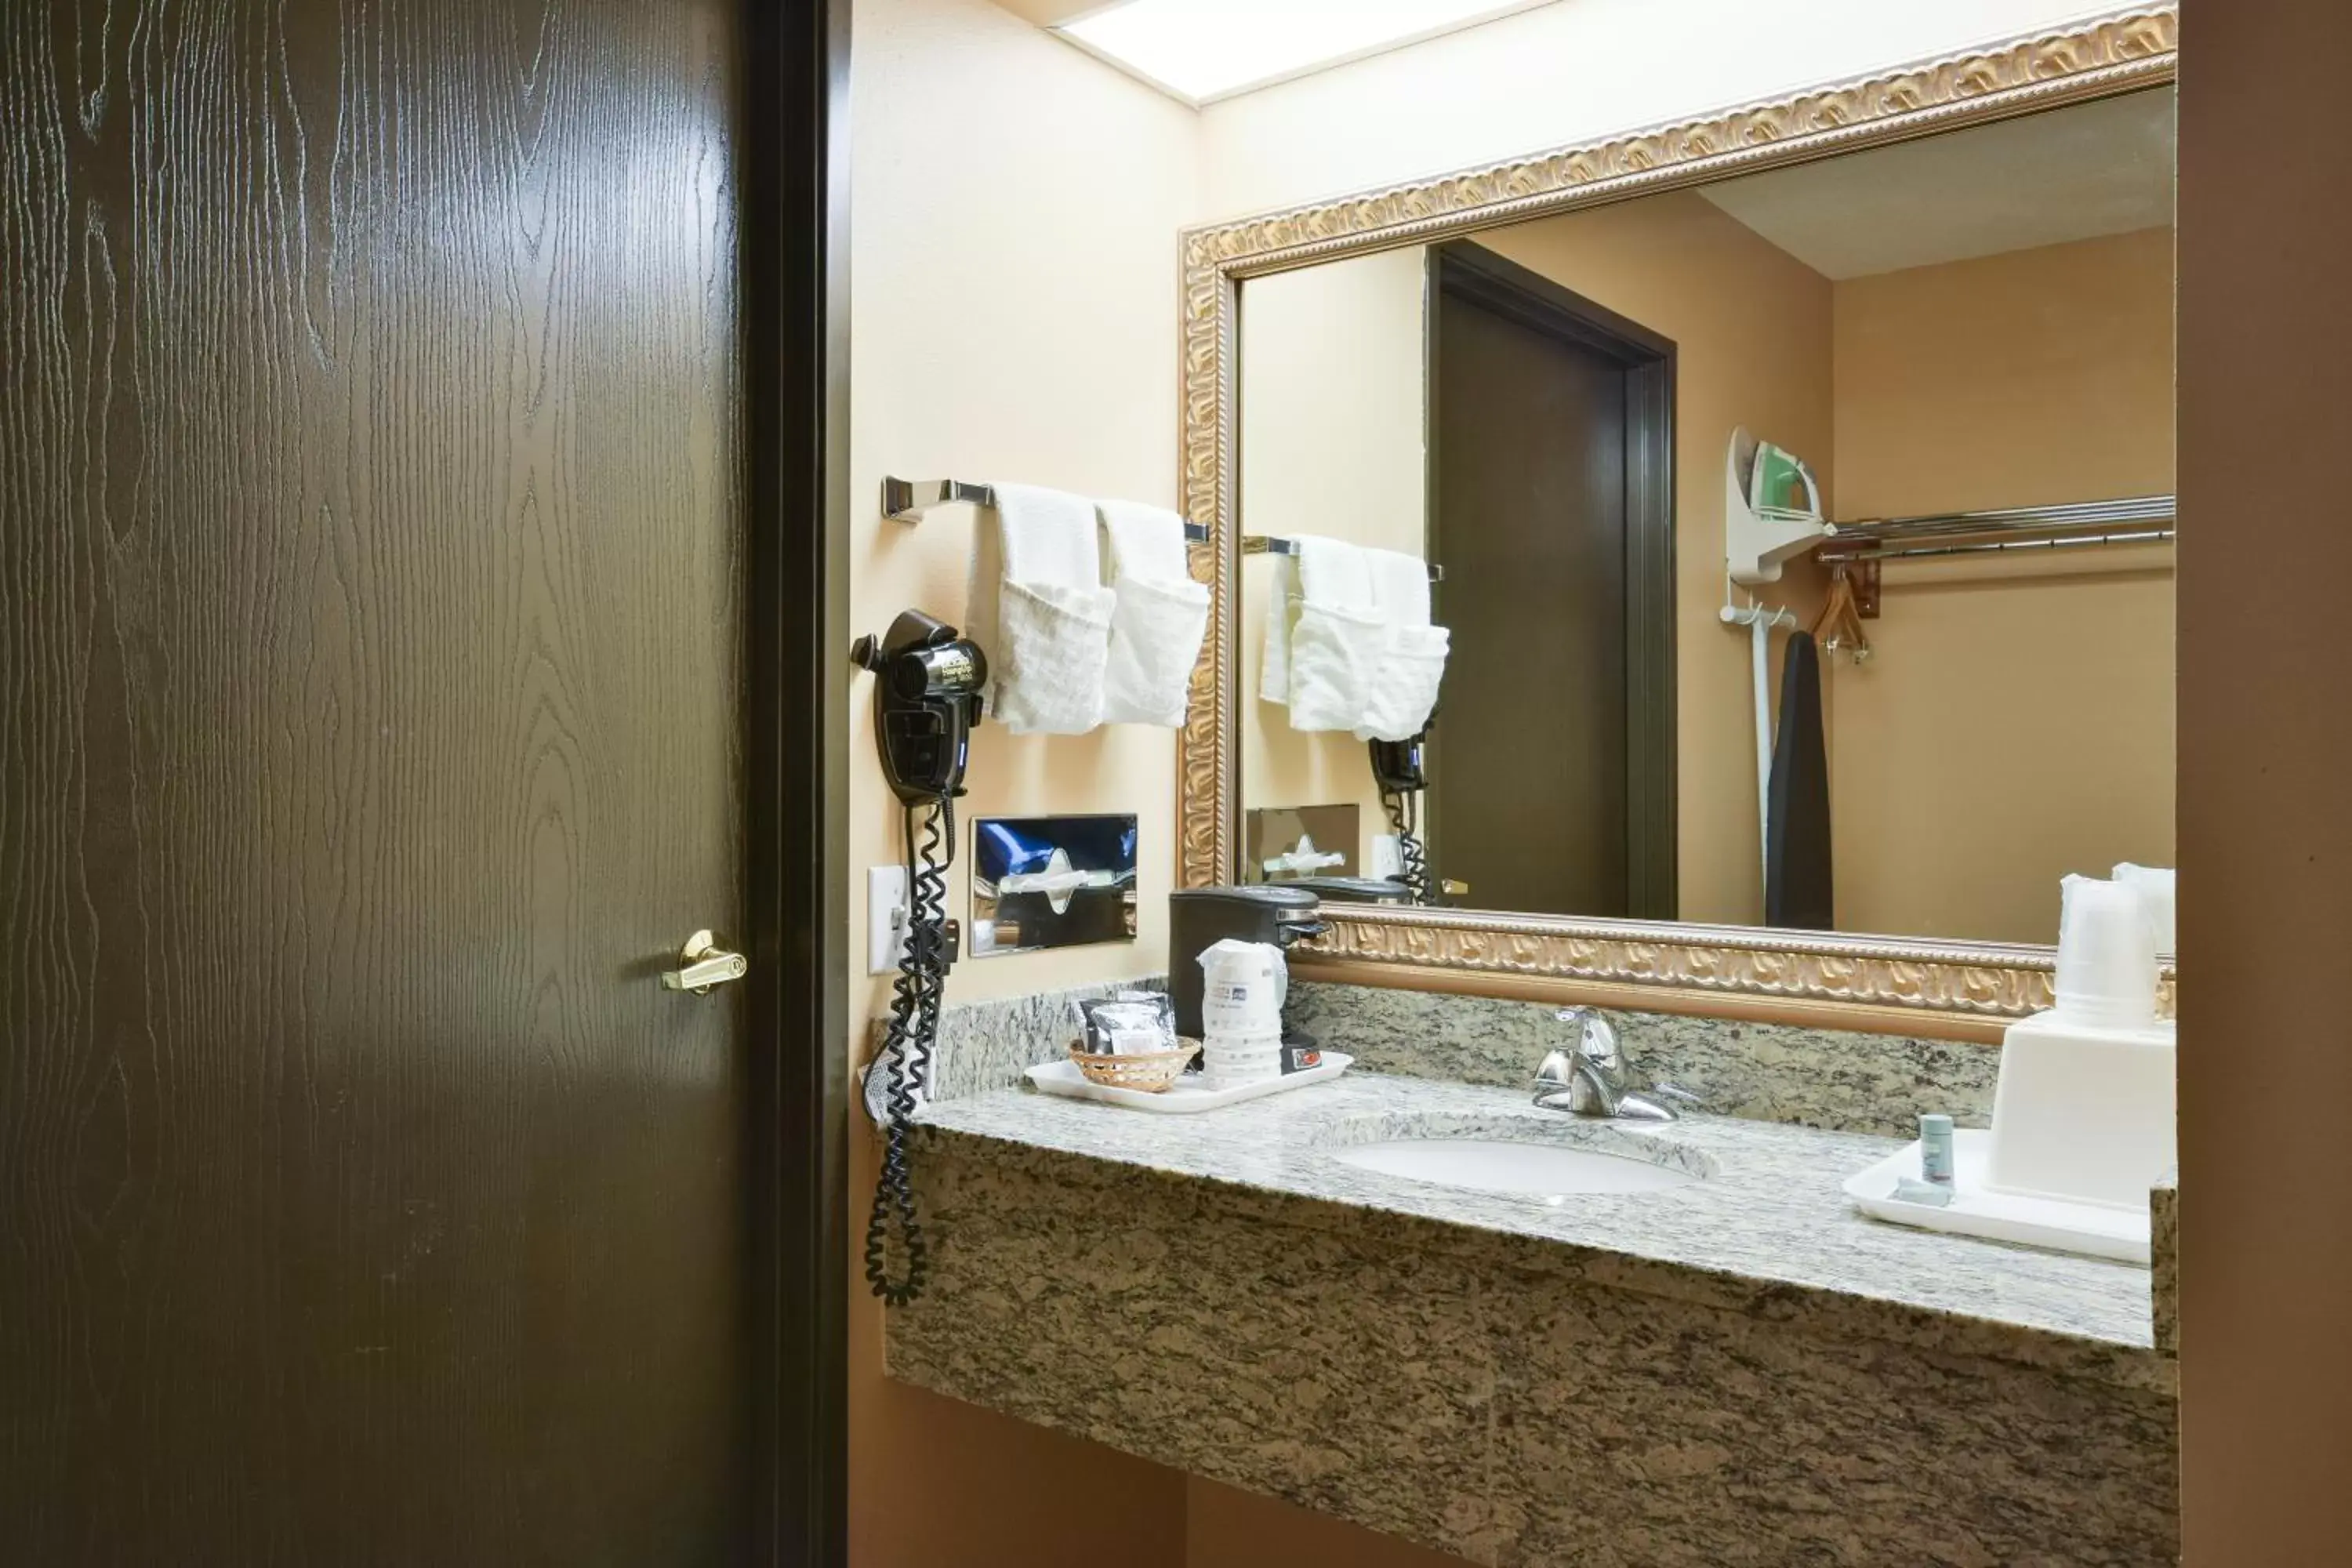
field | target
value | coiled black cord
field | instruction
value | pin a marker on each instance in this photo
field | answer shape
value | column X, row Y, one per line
column 1403, row 809
column 915, row 1001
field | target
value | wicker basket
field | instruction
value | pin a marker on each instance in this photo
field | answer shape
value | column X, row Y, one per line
column 1153, row 1073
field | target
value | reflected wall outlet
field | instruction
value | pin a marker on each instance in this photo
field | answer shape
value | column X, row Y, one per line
column 886, row 918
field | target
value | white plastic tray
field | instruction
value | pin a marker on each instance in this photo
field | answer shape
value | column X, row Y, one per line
column 1186, row 1095
column 2093, row 1229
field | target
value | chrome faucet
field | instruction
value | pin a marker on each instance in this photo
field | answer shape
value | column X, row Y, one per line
column 1588, row 1078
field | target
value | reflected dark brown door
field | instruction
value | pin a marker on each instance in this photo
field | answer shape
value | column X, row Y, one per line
column 1551, row 443
column 370, row 529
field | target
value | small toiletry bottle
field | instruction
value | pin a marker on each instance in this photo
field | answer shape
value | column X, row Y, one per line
column 1936, row 1149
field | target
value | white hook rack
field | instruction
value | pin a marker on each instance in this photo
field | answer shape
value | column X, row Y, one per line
column 1759, row 619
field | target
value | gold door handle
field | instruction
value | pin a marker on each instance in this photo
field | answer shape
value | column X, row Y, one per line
column 703, row 963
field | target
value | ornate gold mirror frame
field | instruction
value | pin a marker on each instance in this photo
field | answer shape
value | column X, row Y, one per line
column 1953, row 989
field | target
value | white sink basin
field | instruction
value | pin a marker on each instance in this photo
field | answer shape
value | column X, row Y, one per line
column 1525, row 1170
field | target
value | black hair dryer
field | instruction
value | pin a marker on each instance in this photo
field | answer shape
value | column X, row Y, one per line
column 925, row 704
column 927, row 698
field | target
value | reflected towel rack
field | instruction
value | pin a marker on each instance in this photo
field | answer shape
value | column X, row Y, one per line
column 906, row 500
column 1274, row 544
column 2131, row 520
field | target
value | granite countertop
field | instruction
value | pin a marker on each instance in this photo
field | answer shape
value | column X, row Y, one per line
column 1769, row 1230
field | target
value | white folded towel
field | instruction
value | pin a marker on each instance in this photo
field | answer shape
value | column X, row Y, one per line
column 1158, row 619
column 1038, row 609
column 1405, row 677
column 1323, row 634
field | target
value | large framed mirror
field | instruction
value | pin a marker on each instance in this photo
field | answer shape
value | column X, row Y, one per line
column 1796, row 488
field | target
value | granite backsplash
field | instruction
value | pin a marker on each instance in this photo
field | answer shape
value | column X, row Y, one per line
column 1834, row 1080
column 987, row 1045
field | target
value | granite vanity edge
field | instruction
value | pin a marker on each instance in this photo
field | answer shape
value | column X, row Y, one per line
column 2164, row 1260
column 1809, row 1309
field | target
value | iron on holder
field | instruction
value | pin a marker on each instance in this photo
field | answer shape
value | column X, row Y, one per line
column 1756, row 542
column 906, row 500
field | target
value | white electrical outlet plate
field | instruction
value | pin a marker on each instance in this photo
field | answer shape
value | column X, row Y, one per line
column 1388, row 855
column 886, row 917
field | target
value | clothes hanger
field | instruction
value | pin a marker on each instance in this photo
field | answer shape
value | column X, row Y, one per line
column 1842, row 615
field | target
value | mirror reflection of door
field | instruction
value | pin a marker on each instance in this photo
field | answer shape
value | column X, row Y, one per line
column 1550, row 509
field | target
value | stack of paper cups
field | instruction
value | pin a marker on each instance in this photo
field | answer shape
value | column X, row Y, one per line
column 1228, row 1061
column 1241, row 1012
column 2107, row 955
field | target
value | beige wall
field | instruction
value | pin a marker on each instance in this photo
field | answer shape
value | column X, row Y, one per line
column 2265, row 751
column 1012, row 315
column 2015, row 722
column 1331, row 443
column 1228, row 1528
column 1751, row 330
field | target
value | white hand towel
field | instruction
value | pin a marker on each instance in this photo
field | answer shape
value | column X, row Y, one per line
column 1158, row 618
column 1412, row 662
column 1323, row 634
column 1038, row 609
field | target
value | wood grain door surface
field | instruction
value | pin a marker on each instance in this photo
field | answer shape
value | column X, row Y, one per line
column 369, row 544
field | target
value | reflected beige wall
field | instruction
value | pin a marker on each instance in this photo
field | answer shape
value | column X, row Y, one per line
column 2017, row 720
column 1331, row 443
column 2016, row 723
column 1751, row 330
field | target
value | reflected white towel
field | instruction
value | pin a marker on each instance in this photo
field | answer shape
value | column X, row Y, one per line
column 1038, row 609
column 1323, row 634
column 1405, row 677
column 1157, row 618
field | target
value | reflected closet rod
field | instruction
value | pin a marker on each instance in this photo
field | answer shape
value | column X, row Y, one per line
column 1273, row 544
column 906, row 500
column 2131, row 520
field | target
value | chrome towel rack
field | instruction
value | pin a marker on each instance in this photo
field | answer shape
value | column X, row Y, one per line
column 1274, row 544
column 906, row 500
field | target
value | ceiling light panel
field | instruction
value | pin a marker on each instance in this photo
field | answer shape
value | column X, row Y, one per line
column 1201, row 50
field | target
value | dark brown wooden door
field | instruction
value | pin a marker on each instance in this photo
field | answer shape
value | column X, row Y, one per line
column 370, row 535
column 1527, row 785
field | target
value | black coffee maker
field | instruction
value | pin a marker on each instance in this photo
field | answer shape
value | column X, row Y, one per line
column 1200, row 918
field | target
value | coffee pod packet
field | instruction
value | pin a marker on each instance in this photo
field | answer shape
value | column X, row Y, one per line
column 1134, row 1023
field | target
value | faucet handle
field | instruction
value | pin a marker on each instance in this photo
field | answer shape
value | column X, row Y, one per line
column 1596, row 1037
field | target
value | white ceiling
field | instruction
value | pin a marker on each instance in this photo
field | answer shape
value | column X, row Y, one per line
column 2069, row 174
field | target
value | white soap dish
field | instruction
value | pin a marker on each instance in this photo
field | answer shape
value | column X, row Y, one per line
column 1186, row 1095
column 2096, row 1230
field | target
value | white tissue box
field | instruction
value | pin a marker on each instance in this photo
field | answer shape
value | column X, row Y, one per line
column 2084, row 1114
